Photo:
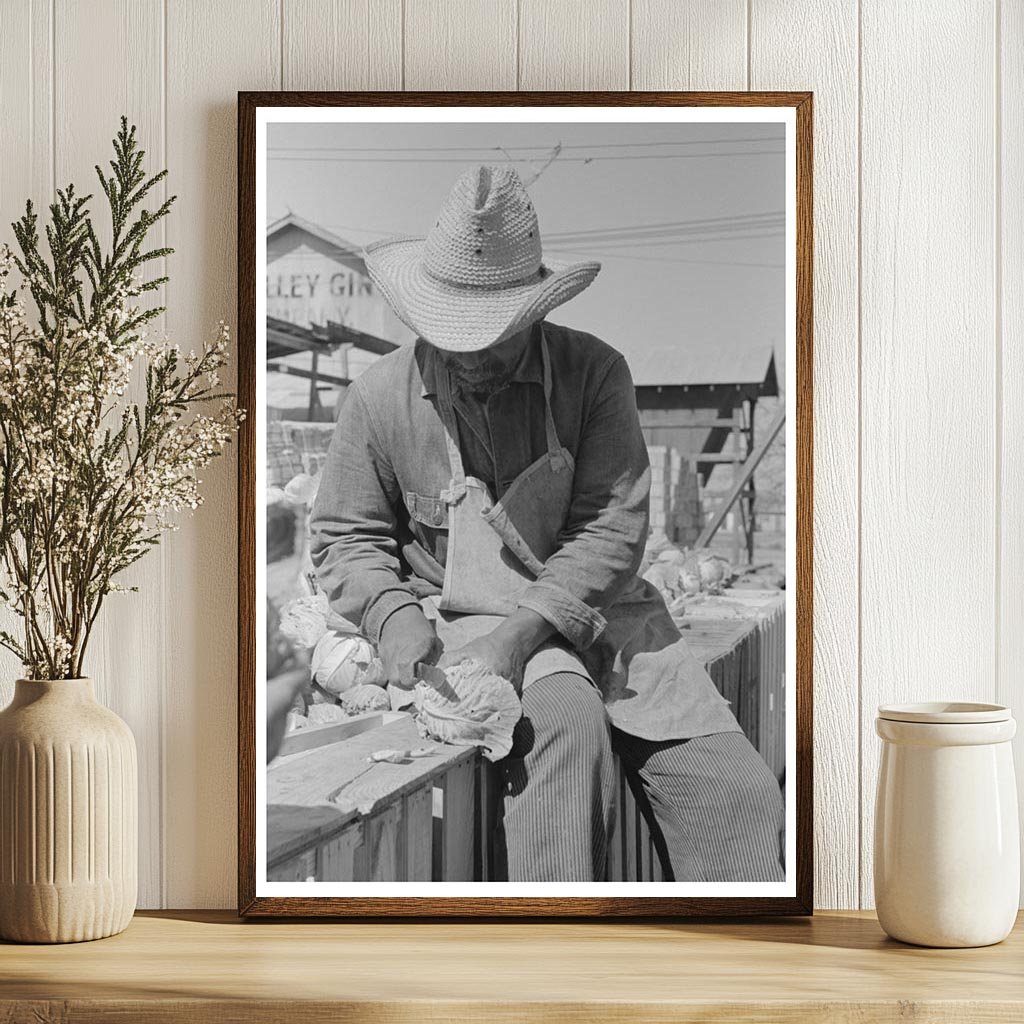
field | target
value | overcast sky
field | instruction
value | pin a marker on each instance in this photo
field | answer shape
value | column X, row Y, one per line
column 719, row 281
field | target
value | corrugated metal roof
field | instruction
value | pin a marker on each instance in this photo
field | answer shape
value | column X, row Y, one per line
column 675, row 365
column 328, row 238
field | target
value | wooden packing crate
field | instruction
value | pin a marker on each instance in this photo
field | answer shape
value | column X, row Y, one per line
column 334, row 816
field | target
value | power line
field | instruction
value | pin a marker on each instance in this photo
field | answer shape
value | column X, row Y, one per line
column 598, row 245
column 563, row 160
column 294, row 257
column 609, row 248
column 510, row 149
column 660, row 240
column 671, row 259
column 737, row 230
column 602, row 242
column 628, row 244
column 746, row 218
column 670, row 228
column 587, row 234
column 535, row 171
column 736, row 227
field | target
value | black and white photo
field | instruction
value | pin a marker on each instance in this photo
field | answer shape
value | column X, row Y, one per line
column 525, row 502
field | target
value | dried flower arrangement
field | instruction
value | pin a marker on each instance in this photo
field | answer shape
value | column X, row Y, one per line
column 89, row 477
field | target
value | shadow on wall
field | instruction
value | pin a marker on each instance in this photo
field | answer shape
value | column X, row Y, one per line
column 201, row 562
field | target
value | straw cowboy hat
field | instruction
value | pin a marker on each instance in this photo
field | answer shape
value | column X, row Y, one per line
column 478, row 277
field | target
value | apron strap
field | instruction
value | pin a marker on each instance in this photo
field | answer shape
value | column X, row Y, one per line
column 555, row 450
column 457, row 488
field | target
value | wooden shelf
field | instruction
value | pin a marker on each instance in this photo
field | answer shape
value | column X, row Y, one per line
column 209, row 967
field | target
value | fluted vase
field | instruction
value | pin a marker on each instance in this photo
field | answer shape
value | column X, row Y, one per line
column 68, row 815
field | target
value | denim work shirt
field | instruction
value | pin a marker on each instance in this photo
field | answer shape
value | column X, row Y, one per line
column 379, row 522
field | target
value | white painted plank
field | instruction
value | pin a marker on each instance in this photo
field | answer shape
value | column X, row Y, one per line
column 1010, row 679
column 342, row 44
column 124, row 656
column 690, row 44
column 26, row 105
column 928, row 528
column 460, row 44
column 929, row 587
column 213, row 50
column 574, row 44
column 814, row 46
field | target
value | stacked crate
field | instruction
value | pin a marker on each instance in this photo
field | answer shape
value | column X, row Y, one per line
column 676, row 508
column 311, row 441
column 295, row 447
column 741, row 637
column 687, row 513
column 284, row 460
column 660, row 457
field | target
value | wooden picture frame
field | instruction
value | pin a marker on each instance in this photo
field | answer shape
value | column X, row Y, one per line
column 799, row 901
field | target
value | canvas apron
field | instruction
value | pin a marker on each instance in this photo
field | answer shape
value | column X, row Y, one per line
column 652, row 685
column 496, row 549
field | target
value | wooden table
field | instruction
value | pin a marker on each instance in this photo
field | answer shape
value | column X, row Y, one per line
column 209, row 967
column 332, row 816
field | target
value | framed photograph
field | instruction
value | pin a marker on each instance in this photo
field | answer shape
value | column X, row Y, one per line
column 525, row 504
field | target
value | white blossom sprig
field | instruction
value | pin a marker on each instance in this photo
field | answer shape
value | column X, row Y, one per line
column 92, row 470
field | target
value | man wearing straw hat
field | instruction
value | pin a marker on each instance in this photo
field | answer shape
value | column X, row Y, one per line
column 486, row 495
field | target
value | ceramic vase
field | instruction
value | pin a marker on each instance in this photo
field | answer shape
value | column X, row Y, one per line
column 947, row 847
column 68, row 815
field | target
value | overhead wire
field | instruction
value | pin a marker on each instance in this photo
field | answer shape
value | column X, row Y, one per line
column 312, row 257
column 604, row 242
column 668, row 243
column 628, row 243
column 562, row 160
column 672, row 259
column 513, row 149
column 739, row 231
column 599, row 250
column 693, row 226
column 760, row 215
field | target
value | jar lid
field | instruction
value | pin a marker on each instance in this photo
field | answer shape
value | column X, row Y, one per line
column 945, row 712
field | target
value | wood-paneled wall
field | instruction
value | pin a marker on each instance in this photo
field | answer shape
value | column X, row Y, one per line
column 919, row 315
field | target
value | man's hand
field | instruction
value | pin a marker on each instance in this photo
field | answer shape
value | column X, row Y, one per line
column 505, row 649
column 498, row 653
column 407, row 637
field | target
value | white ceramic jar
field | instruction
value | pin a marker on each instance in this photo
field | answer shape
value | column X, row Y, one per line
column 947, row 847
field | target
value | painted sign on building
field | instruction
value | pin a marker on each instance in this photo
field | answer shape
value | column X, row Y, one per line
column 315, row 277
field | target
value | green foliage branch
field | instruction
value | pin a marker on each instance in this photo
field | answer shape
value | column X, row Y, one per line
column 103, row 430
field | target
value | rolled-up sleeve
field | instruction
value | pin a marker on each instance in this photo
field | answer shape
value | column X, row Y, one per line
column 353, row 526
column 602, row 545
